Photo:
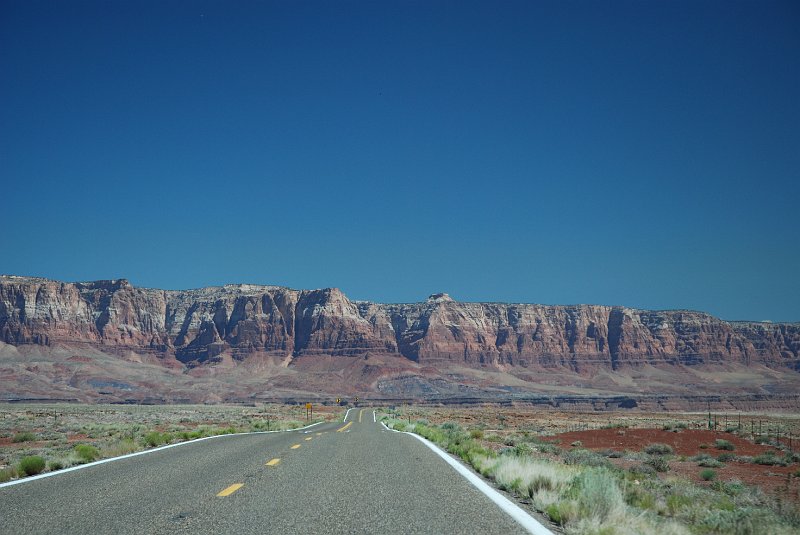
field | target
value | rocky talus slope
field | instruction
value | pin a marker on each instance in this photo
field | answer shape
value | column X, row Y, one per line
column 197, row 326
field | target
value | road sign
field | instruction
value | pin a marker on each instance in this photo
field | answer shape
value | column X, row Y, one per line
column 308, row 405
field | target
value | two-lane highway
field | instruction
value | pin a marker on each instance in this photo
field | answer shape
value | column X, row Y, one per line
column 345, row 477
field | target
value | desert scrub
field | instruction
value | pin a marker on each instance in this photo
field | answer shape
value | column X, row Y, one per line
column 31, row 465
column 658, row 449
column 708, row 474
column 768, row 458
column 154, row 438
column 659, row 464
column 722, row 444
column 121, row 447
column 26, row 436
column 86, row 453
column 55, row 464
column 528, row 477
column 585, row 458
column 7, row 473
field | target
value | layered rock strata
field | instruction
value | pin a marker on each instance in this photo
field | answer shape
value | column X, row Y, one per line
column 195, row 326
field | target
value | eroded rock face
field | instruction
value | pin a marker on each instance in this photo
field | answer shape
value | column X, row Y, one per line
column 197, row 325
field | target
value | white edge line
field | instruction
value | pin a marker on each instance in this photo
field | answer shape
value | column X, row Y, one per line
column 136, row 454
column 373, row 417
column 509, row 507
column 347, row 414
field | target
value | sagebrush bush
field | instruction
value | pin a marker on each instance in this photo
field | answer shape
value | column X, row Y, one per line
column 769, row 459
column 25, row 436
column 659, row 464
column 707, row 474
column 598, row 494
column 31, row 465
column 585, row 458
column 658, row 449
column 722, row 444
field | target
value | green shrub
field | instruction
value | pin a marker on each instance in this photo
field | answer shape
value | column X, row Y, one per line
column 6, row 474
column 659, row 464
column 55, row 464
column 710, row 463
column 658, row 449
column 447, row 426
column 741, row 521
column 31, row 465
column 703, row 446
column 577, row 444
column 769, row 459
column 726, row 445
column 585, row 458
column 476, row 434
column 154, row 438
column 642, row 470
column 676, row 502
column 726, row 457
column 708, row 474
column 25, row 436
column 86, row 452
column 562, row 512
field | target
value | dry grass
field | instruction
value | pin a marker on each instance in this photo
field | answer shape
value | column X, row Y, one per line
column 69, row 434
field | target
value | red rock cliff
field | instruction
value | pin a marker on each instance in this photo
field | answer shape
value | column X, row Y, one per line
column 196, row 325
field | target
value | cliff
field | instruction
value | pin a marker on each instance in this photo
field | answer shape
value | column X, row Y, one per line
column 197, row 326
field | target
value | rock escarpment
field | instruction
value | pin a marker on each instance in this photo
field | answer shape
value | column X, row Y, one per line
column 196, row 326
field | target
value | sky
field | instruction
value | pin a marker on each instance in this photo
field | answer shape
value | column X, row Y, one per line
column 644, row 154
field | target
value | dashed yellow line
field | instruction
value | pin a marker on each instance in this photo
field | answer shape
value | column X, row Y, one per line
column 273, row 462
column 344, row 427
column 308, row 438
column 295, row 446
column 319, row 434
column 230, row 490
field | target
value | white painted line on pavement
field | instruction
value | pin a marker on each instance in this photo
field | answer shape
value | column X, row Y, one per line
column 136, row 454
column 373, row 417
column 347, row 414
column 509, row 507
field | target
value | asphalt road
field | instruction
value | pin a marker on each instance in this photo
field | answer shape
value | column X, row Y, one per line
column 332, row 478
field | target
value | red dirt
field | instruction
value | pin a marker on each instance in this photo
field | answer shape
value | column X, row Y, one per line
column 686, row 442
column 774, row 480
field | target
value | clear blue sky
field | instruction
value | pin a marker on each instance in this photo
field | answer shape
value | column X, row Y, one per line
column 638, row 153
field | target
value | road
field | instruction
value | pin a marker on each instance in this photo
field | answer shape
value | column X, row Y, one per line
column 353, row 477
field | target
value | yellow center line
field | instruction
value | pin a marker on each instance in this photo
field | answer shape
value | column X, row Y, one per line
column 230, row 490
column 344, row 427
column 319, row 434
column 308, row 438
column 273, row 462
column 295, row 446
